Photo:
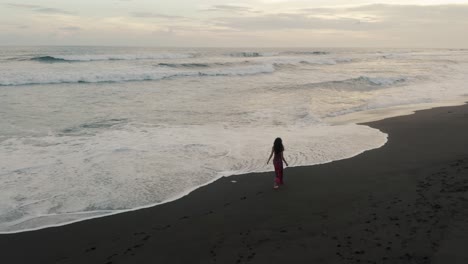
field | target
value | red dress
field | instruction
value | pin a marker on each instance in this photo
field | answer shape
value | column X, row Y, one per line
column 278, row 163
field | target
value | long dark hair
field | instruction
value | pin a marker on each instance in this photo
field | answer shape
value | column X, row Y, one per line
column 278, row 145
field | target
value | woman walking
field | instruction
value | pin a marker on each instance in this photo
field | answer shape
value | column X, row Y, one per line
column 278, row 150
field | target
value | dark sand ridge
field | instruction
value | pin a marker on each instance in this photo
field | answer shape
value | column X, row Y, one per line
column 406, row 202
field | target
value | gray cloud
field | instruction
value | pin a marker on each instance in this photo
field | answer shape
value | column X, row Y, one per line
column 369, row 17
column 22, row 5
column 39, row 9
column 285, row 21
column 49, row 10
column 154, row 15
column 70, row 28
column 227, row 25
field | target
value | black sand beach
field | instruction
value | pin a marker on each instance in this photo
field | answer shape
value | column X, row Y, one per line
column 406, row 202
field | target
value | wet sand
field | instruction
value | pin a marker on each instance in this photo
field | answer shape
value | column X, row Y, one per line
column 406, row 202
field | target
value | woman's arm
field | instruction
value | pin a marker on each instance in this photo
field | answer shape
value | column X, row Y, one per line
column 282, row 157
column 271, row 155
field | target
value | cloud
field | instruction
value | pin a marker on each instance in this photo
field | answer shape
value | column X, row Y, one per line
column 368, row 17
column 39, row 9
column 49, row 10
column 155, row 15
column 229, row 8
column 416, row 12
column 243, row 24
column 22, row 5
column 272, row 22
column 70, row 28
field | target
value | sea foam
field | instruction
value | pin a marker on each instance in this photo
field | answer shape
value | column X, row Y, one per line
column 126, row 74
column 109, row 170
column 100, row 134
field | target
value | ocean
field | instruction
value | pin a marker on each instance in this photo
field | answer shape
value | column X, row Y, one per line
column 91, row 131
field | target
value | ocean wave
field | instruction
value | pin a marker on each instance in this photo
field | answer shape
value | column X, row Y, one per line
column 320, row 62
column 188, row 65
column 34, row 78
column 277, row 62
column 92, row 126
column 48, row 59
column 361, row 83
column 110, row 57
column 368, row 81
column 252, row 54
column 307, row 52
column 311, row 61
column 381, row 81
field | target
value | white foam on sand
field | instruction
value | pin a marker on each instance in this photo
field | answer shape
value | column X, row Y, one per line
column 135, row 167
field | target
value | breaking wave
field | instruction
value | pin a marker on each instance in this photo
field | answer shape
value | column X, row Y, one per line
column 361, row 83
column 378, row 81
column 127, row 76
column 307, row 52
column 48, row 59
column 96, row 57
column 191, row 65
column 252, row 54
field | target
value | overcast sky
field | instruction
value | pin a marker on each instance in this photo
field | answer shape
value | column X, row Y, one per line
column 254, row 23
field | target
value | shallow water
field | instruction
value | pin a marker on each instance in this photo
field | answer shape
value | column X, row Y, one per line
column 85, row 131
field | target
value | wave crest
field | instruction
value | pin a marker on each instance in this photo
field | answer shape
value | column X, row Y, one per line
column 365, row 81
column 34, row 78
column 47, row 59
column 185, row 65
column 307, row 52
column 361, row 83
column 252, row 54
column 111, row 57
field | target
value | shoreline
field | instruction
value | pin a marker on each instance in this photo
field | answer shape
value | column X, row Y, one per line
column 172, row 199
column 222, row 217
column 357, row 118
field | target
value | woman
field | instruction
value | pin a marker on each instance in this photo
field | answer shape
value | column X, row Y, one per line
column 278, row 150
